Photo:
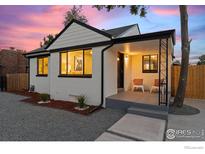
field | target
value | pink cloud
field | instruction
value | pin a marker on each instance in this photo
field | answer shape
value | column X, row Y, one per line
column 30, row 25
column 196, row 10
column 178, row 38
column 50, row 21
column 174, row 10
column 94, row 16
column 165, row 11
column 30, row 44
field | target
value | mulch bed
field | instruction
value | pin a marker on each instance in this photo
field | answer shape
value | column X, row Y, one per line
column 34, row 98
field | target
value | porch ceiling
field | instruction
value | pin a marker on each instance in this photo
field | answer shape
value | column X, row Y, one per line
column 137, row 47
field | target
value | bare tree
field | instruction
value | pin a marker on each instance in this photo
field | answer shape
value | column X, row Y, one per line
column 74, row 13
column 47, row 40
column 179, row 98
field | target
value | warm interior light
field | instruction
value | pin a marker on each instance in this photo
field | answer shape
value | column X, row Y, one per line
column 118, row 59
column 146, row 66
column 69, row 68
column 91, row 52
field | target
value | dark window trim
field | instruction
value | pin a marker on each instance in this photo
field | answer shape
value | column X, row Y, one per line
column 73, row 75
column 149, row 71
column 41, row 75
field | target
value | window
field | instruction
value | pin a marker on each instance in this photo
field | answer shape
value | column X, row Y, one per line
column 150, row 64
column 42, row 66
column 76, row 63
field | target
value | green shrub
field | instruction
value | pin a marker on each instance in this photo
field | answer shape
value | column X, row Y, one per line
column 81, row 101
column 44, row 97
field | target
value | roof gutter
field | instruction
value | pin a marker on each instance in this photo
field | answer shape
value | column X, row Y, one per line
column 102, row 76
column 102, row 73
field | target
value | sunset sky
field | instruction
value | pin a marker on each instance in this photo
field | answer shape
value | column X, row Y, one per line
column 24, row 27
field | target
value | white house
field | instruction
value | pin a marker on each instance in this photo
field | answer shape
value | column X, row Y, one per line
column 97, row 63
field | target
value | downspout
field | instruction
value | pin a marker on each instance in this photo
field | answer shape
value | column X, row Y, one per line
column 102, row 73
column 102, row 76
column 28, row 74
column 28, row 62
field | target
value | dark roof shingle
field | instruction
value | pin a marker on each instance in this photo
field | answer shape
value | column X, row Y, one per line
column 115, row 32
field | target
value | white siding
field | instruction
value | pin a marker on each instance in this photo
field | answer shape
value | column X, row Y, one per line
column 63, row 87
column 77, row 35
column 130, row 32
column 127, row 72
column 41, row 83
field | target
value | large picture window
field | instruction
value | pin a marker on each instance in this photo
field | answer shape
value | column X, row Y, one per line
column 150, row 63
column 76, row 63
column 42, row 66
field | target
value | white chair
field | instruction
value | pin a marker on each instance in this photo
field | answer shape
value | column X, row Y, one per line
column 156, row 86
column 138, row 84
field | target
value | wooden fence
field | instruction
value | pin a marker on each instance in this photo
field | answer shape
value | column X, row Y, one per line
column 195, row 81
column 17, row 81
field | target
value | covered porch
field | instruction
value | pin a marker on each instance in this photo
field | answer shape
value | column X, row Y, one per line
column 148, row 59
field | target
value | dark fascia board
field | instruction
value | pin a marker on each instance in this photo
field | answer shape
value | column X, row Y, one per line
column 147, row 36
column 138, row 29
column 93, row 29
column 35, row 52
column 40, row 55
column 82, row 24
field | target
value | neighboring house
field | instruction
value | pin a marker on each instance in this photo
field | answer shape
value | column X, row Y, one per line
column 12, row 61
column 96, row 63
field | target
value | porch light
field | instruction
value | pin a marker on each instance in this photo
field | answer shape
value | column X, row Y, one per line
column 153, row 56
column 126, row 58
column 118, row 59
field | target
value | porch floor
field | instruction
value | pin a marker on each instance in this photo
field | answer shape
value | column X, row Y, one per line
column 137, row 97
column 125, row 100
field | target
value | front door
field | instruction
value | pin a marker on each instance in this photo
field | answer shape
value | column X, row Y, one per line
column 120, row 68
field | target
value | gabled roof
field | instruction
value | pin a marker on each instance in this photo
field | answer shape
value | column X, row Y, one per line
column 110, row 33
column 115, row 32
column 38, row 50
column 84, row 25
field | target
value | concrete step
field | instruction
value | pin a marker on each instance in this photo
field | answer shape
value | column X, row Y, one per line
column 149, row 113
column 124, row 105
column 106, row 136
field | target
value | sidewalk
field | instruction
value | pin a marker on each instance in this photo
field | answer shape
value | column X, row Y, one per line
column 133, row 127
column 192, row 127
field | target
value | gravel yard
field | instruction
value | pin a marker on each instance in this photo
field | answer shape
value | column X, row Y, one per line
column 20, row 121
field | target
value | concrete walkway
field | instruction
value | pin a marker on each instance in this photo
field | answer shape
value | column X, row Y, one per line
column 133, row 127
column 188, row 127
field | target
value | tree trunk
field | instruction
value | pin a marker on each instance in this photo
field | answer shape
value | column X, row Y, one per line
column 179, row 98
